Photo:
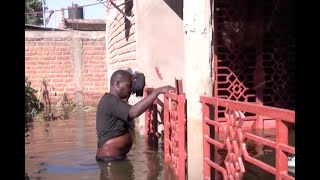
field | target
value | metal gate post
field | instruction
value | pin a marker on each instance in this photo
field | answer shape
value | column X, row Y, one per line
column 166, row 129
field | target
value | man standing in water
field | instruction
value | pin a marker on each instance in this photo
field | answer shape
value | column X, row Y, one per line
column 114, row 115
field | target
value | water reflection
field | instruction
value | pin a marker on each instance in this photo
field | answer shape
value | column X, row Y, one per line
column 65, row 149
column 116, row 170
column 154, row 169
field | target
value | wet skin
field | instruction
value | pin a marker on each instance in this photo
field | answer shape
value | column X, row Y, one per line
column 121, row 145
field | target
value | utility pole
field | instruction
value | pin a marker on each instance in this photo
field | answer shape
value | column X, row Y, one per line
column 43, row 13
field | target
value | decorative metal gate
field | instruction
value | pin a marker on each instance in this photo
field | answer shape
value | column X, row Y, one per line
column 254, row 62
column 151, row 121
column 175, row 132
column 175, row 128
column 255, row 52
column 232, row 166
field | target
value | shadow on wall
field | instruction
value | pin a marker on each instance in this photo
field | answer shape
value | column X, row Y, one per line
column 128, row 11
column 176, row 6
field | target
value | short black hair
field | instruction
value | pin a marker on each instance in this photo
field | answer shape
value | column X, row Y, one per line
column 119, row 75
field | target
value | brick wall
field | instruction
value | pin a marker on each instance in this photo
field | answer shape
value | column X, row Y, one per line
column 54, row 55
column 94, row 69
column 121, row 37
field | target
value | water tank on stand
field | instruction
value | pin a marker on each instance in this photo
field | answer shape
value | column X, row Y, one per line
column 75, row 12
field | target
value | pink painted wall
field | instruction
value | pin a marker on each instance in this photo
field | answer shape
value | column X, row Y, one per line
column 160, row 41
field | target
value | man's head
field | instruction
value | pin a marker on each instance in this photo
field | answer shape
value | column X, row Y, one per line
column 121, row 84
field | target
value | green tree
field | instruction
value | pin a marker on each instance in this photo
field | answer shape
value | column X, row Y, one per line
column 34, row 6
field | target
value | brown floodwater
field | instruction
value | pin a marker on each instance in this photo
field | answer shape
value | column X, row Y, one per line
column 65, row 150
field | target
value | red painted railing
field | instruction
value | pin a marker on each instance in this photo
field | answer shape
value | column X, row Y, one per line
column 151, row 121
column 175, row 133
column 234, row 139
column 174, row 121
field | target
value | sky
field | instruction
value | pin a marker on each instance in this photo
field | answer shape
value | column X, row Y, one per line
column 90, row 12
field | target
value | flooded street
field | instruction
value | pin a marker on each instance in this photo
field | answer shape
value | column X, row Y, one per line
column 65, row 149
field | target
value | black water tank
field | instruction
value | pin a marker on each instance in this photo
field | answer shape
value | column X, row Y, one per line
column 75, row 12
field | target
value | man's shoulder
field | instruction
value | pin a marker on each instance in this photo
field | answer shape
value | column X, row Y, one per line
column 109, row 98
column 106, row 100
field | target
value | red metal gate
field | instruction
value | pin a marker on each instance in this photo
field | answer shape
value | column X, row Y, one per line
column 151, row 122
column 233, row 139
column 175, row 129
column 254, row 47
column 254, row 61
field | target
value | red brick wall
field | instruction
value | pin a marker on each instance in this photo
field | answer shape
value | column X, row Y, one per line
column 94, row 69
column 121, row 38
column 49, row 55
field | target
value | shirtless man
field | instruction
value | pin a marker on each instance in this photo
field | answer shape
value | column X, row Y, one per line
column 114, row 115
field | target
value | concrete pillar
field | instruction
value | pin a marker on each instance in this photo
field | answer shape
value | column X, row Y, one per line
column 107, row 50
column 76, row 50
column 62, row 24
column 198, row 76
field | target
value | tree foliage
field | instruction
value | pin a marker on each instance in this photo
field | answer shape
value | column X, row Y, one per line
column 32, row 104
column 34, row 6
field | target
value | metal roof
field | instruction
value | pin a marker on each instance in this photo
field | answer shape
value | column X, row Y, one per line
column 29, row 27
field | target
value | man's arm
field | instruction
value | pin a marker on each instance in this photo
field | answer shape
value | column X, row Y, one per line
column 143, row 105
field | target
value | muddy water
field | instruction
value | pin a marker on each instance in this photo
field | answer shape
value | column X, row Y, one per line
column 65, row 149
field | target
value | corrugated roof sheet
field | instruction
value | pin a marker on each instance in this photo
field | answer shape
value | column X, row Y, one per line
column 29, row 27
